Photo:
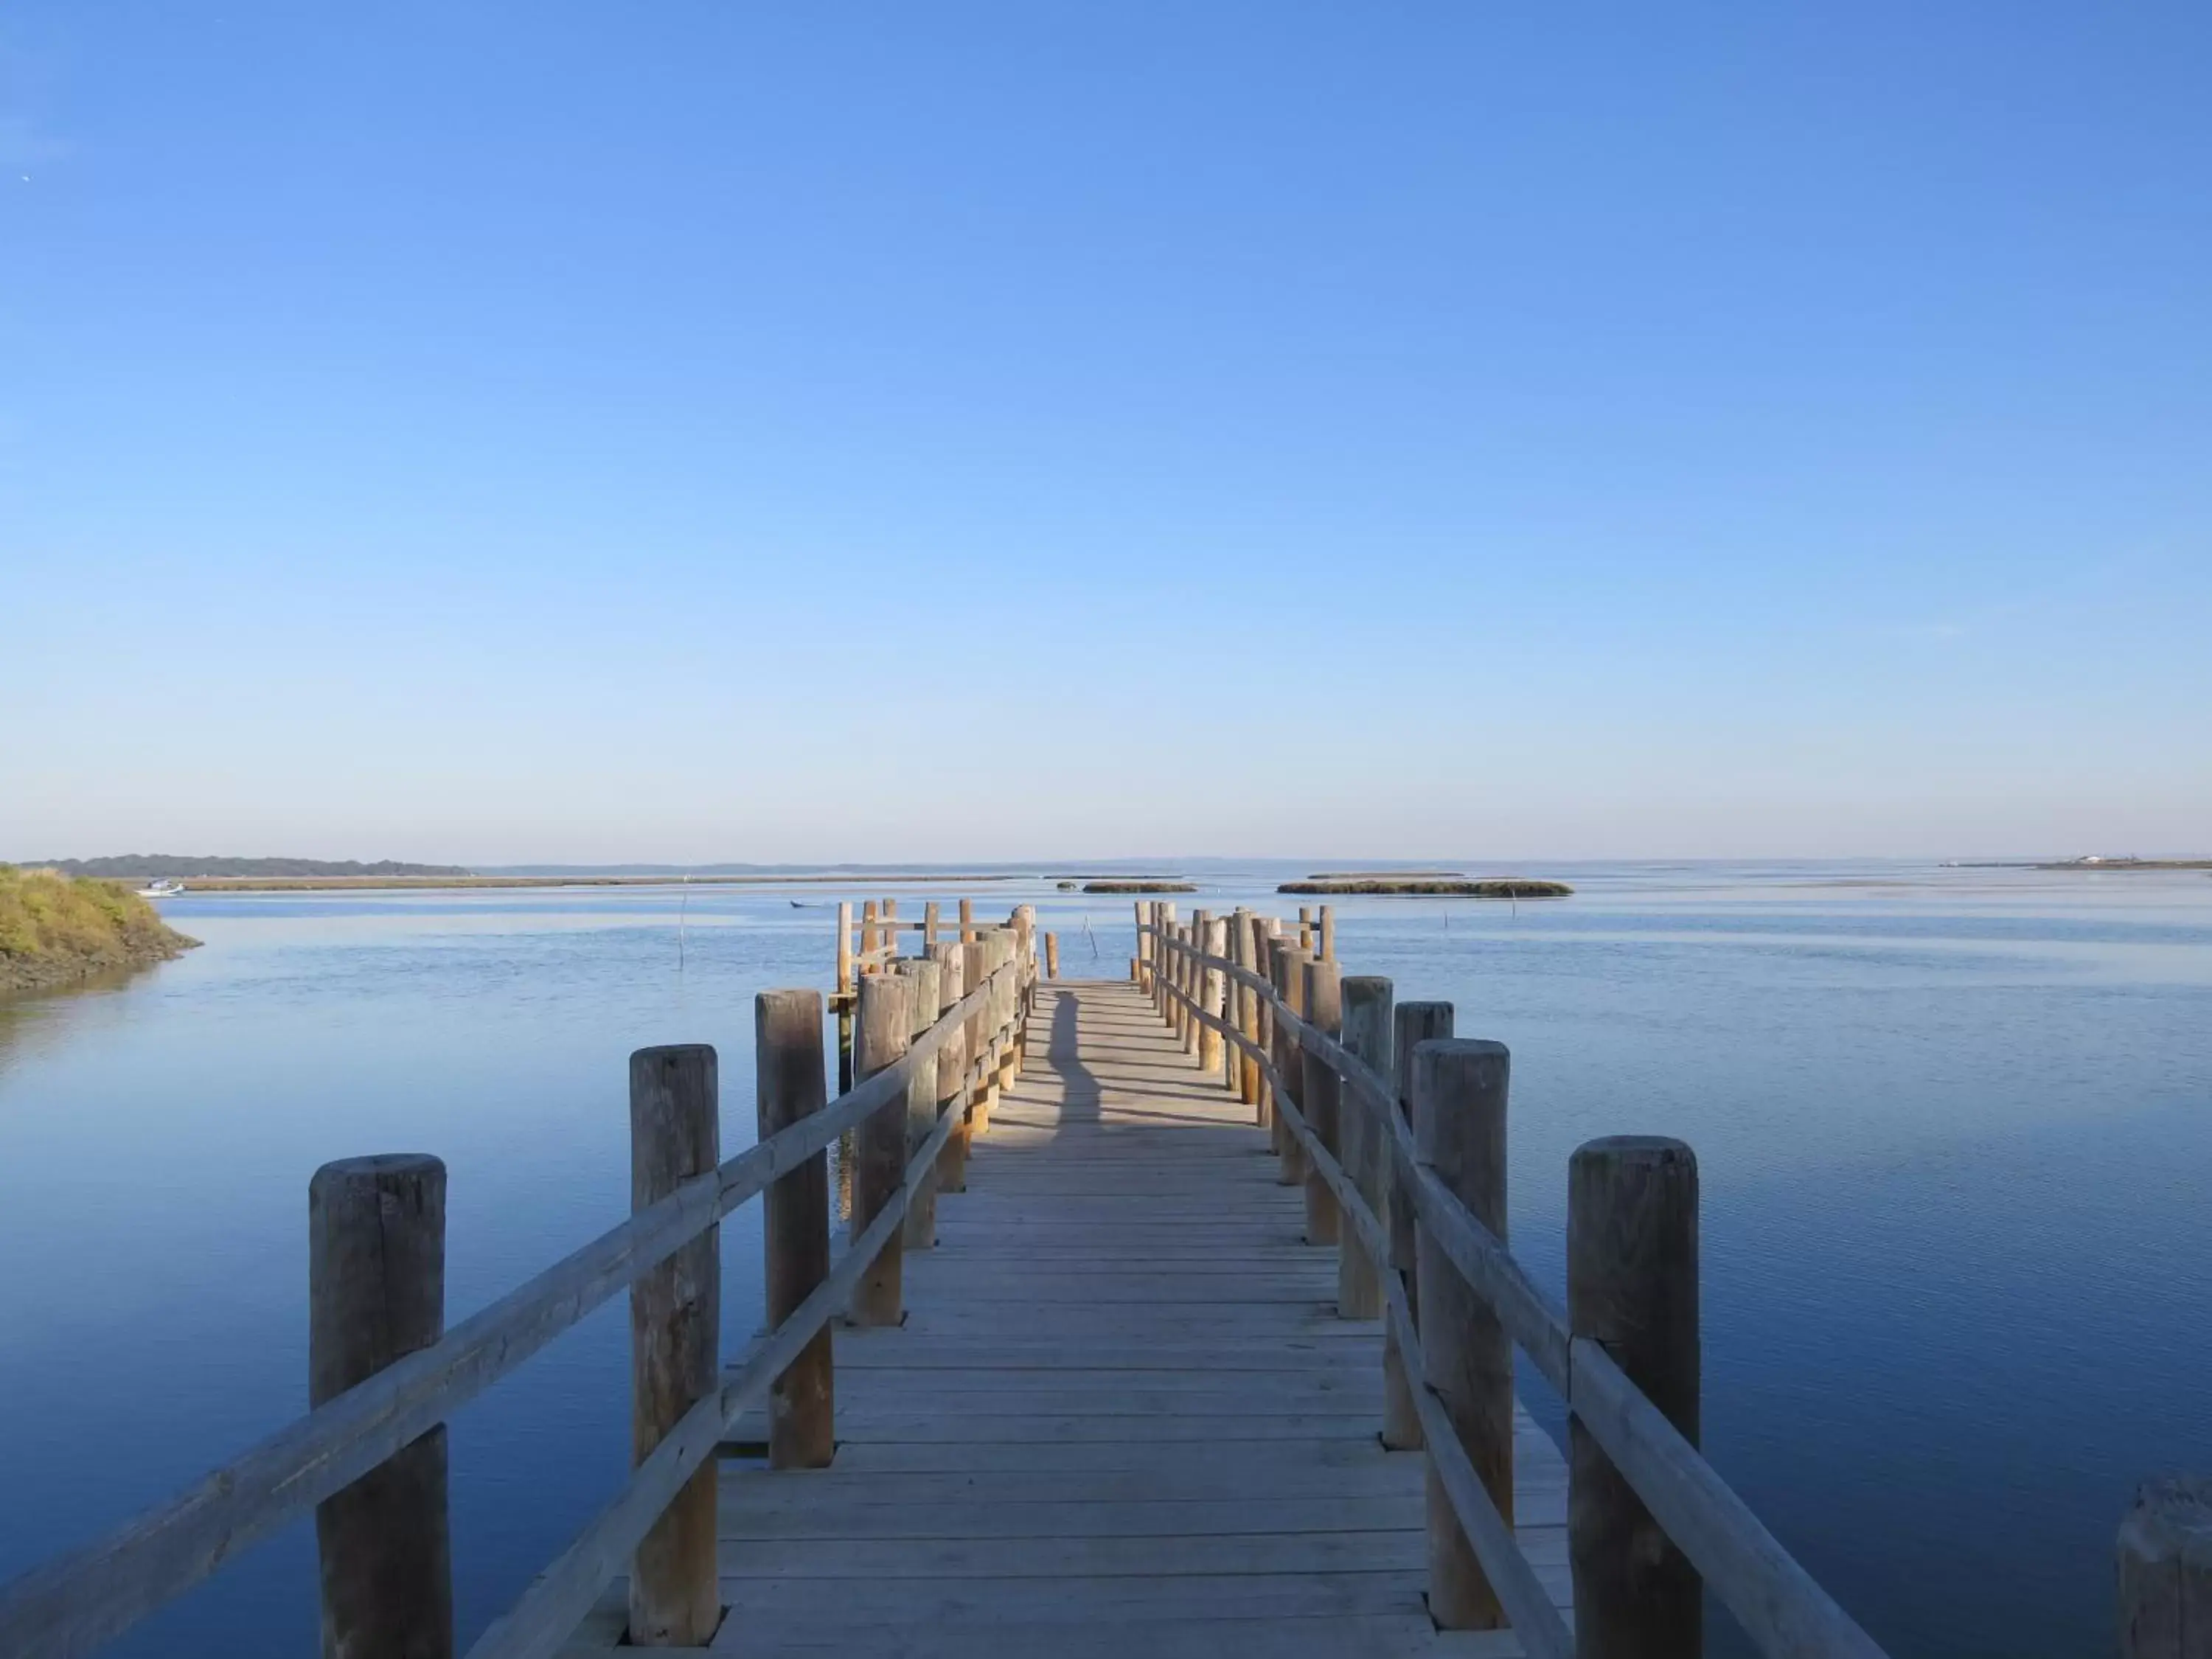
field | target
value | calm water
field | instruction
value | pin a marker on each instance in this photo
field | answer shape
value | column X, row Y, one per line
column 1955, row 1130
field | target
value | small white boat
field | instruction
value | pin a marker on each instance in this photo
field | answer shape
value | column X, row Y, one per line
column 162, row 889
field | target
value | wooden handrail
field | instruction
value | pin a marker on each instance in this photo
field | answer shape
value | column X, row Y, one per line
column 883, row 953
column 1779, row 1604
column 69, row 1605
column 1777, row 1601
column 1529, row 1316
column 894, row 926
column 1543, row 1633
column 558, row 1599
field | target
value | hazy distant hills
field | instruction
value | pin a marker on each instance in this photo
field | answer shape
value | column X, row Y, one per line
column 178, row 866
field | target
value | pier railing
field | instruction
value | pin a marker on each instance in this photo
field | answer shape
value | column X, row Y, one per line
column 939, row 1035
column 1396, row 1130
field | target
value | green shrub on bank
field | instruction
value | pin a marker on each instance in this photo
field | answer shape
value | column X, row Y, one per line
column 1490, row 887
column 54, row 928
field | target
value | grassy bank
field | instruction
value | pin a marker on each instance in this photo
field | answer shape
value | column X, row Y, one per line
column 1139, row 887
column 54, row 929
column 1388, row 875
column 1492, row 887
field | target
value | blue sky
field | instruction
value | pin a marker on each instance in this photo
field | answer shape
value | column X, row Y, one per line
column 719, row 431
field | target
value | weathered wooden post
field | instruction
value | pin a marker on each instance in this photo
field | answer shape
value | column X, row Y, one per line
column 1194, row 1029
column 952, row 1067
column 1367, row 1038
column 1163, row 956
column 1145, row 952
column 1305, row 928
column 1290, row 986
column 974, row 969
column 1194, row 985
column 995, row 953
column 890, row 933
column 1459, row 1133
column 967, row 921
column 880, row 1147
column 1168, row 963
column 1233, row 1008
column 1214, row 939
column 1175, row 965
column 1006, row 953
column 926, row 981
column 1263, row 1031
column 1052, row 956
column 1328, row 932
column 928, row 927
column 1169, row 1003
column 376, row 1293
column 1246, row 1079
column 1321, row 1096
column 871, row 936
column 844, row 998
column 1025, row 951
column 1412, row 1024
column 675, row 1341
column 789, row 1087
column 1632, row 1289
column 1160, row 961
column 1273, row 958
column 2165, row 1558
column 1194, row 935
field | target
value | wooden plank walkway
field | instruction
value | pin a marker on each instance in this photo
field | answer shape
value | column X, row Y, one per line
column 1123, row 1416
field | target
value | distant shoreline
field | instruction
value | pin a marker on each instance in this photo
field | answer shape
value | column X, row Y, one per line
column 419, row 883
column 2088, row 865
column 2129, row 864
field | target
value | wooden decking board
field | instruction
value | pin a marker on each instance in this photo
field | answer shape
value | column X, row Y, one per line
column 760, row 1517
column 1122, row 1414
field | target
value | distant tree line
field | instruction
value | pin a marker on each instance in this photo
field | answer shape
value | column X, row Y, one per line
column 145, row 866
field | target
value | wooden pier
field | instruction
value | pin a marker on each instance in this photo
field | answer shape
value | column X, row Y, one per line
column 1174, row 1316
column 1122, row 1415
